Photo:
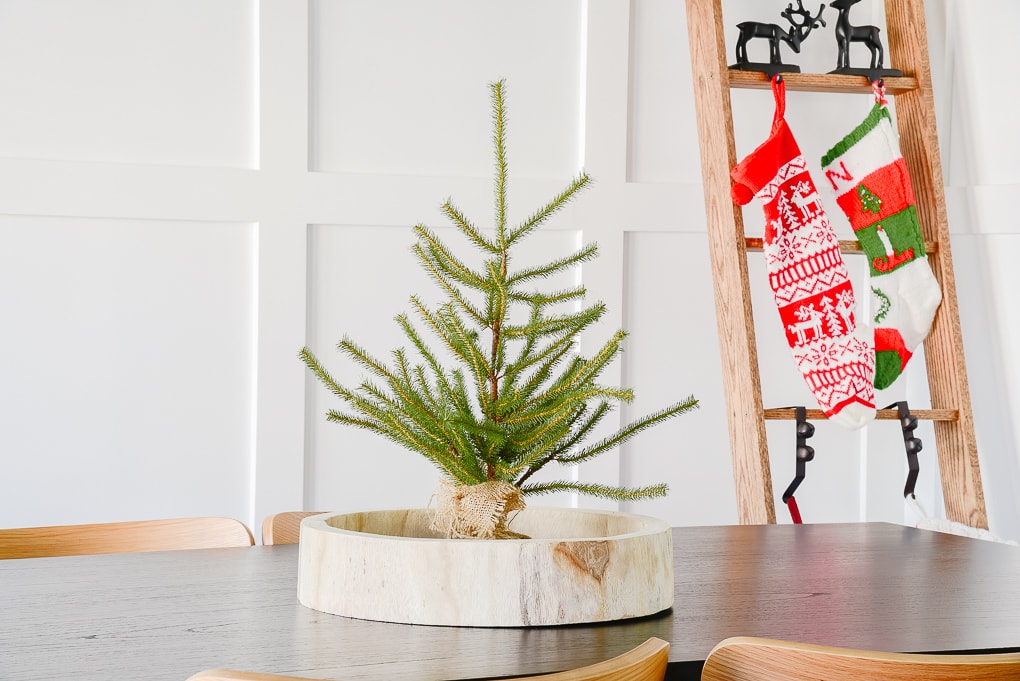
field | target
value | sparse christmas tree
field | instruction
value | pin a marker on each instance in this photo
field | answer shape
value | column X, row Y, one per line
column 519, row 397
column 869, row 202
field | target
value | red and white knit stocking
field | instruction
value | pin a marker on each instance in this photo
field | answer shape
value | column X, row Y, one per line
column 808, row 277
column 869, row 176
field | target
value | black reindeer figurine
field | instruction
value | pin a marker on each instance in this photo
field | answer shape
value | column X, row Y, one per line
column 774, row 33
column 847, row 34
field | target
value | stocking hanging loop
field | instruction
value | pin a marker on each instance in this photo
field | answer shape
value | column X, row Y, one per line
column 878, row 88
column 779, row 92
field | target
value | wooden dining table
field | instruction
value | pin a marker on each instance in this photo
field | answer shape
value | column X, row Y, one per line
column 166, row 615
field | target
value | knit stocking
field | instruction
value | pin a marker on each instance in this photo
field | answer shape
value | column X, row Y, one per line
column 808, row 276
column 869, row 177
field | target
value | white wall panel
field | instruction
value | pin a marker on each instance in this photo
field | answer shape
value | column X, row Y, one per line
column 985, row 116
column 162, row 81
column 125, row 367
column 663, row 134
column 396, row 85
column 991, row 327
column 673, row 352
column 360, row 278
column 981, row 170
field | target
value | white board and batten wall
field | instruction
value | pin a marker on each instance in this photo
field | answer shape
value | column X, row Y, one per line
column 191, row 191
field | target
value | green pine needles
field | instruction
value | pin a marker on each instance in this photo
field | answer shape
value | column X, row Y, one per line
column 519, row 397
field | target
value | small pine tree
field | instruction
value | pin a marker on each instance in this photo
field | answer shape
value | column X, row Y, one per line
column 869, row 200
column 520, row 398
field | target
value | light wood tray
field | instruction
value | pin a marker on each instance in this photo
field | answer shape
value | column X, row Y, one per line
column 579, row 566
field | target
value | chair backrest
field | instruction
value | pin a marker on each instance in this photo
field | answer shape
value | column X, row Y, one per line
column 760, row 659
column 647, row 662
column 284, row 528
column 124, row 537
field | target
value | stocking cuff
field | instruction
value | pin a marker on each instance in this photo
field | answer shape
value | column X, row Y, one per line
column 761, row 166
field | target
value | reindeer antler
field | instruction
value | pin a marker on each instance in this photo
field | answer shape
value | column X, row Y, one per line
column 818, row 19
column 804, row 13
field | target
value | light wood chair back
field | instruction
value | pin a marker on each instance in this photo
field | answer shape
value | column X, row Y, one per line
column 124, row 537
column 284, row 528
column 647, row 662
column 761, row 659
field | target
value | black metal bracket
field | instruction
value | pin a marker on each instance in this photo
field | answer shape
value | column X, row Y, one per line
column 766, row 68
column 908, row 422
column 804, row 452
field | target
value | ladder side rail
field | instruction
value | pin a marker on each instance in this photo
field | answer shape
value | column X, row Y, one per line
column 752, row 473
column 955, row 441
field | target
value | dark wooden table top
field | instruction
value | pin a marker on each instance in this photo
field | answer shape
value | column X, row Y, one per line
column 167, row 615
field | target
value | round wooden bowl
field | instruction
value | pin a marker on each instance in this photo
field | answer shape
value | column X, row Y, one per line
column 578, row 566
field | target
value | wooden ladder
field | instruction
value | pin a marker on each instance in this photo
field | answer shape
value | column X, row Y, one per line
column 953, row 420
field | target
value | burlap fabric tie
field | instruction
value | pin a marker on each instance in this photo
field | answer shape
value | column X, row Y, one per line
column 479, row 511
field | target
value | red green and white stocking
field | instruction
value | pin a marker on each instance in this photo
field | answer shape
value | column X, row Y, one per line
column 869, row 176
column 808, row 276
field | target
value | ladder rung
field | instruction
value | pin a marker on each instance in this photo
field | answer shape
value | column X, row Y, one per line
column 790, row 414
column 846, row 246
column 820, row 82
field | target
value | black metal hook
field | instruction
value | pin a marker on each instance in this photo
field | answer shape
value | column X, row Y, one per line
column 804, row 452
column 912, row 445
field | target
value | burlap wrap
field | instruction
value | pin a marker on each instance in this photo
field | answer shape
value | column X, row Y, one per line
column 479, row 511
